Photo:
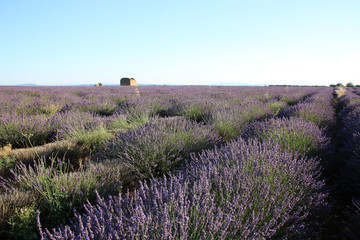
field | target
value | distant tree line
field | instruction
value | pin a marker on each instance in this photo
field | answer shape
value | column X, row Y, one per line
column 349, row 84
column 296, row 85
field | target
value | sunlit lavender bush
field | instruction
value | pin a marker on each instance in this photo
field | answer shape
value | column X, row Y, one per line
column 230, row 121
column 243, row 190
column 227, row 122
column 160, row 146
column 277, row 106
column 152, row 105
column 292, row 134
column 197, row 109
column 102, row 107
column 72, row 123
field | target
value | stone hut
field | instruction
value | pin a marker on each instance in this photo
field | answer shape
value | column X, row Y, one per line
column 128, row 82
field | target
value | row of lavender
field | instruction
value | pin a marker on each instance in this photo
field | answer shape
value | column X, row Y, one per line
column 349, row 141
column 255, row 187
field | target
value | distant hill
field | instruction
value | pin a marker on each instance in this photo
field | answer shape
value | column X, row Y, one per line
column 235, row 84
column 26, row 85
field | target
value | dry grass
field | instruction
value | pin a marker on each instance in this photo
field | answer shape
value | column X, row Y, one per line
column 71, row 150
column 4, row 151
column 66, row 149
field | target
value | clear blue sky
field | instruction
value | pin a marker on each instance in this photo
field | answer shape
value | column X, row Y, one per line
column 180, row 42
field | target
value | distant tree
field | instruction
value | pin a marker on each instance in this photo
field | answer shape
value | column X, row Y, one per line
column 357, row 85
column 332, row 85
column 340, row 85
column 350, row 84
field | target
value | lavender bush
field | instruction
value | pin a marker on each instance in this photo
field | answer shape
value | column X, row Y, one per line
column 159, row 105
column 70, row 123
column 23, row 131
column 277, row 106
column 227, row 122
column 160, row 146
column 105, row 107
column 196, row 109
column 292, row 134
column 230, row 121
column 268, row 191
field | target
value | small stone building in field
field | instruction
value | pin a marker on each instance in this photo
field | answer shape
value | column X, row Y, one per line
column 128, row 82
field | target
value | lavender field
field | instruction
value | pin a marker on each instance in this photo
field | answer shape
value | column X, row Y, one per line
column 191, row 162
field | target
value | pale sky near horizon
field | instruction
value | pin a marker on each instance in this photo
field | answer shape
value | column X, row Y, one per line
column 311, row 42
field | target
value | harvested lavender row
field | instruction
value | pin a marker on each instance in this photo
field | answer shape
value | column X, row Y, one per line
column 243, row 190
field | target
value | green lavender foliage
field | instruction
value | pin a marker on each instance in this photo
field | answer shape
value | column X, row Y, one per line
column 16, row 214
column 61, row 189
column 23, row 224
